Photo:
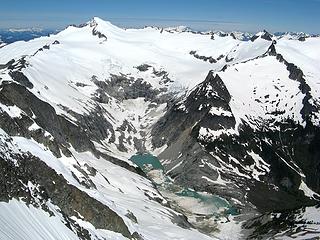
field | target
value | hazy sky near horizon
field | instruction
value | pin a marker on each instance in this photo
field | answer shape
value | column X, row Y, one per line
column 243, row 15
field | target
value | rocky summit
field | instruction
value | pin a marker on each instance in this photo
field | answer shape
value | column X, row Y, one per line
column 159, row 133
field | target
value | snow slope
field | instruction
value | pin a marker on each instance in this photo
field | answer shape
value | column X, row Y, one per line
column 306, row 55
column 19, row 221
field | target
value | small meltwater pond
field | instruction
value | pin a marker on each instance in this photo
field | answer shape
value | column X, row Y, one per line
column 208, row 198
column 193, row 201
column 146, row 162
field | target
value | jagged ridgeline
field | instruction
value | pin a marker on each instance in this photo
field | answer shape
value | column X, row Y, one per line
column 159, row 133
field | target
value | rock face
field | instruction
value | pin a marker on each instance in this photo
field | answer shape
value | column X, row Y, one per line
column 264, row 35
column 212, row 93
column 54, row 188
column 182, row 129
column 22, row 79
column 130, row 88
column 263, row 167
column 295, row 73
column 63, row 131
column 289, row 223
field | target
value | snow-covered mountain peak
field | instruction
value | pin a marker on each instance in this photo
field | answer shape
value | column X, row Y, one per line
column 178, row 29
column 98, row 20
column 104, row 26
column 242, row 36
column 264, row 35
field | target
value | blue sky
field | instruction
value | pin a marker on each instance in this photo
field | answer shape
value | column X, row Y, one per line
column 244, row 15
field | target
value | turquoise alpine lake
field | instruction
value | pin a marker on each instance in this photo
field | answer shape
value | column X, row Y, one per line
column 148, row 162
column 205, row 198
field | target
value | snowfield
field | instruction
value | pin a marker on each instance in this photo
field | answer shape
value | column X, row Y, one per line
column 19, row 221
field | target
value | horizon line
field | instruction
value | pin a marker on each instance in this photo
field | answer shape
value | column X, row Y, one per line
column 181, row 20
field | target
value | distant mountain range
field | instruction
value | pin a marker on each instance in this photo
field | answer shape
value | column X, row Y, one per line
column 25, row 34
column 12, row 35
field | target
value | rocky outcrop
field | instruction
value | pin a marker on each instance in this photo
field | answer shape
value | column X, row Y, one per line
column 123, row 87
column 143, row 67
column 264, row 35
column 63, row 131
column 3, row 66
column 15, row 177
column 310, row 108
column 95, row 32
column 285, row 223
column 21, row 78
column 93, row 24
column 204, row 58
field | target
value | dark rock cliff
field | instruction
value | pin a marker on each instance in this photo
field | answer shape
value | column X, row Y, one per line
column 289, row 153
